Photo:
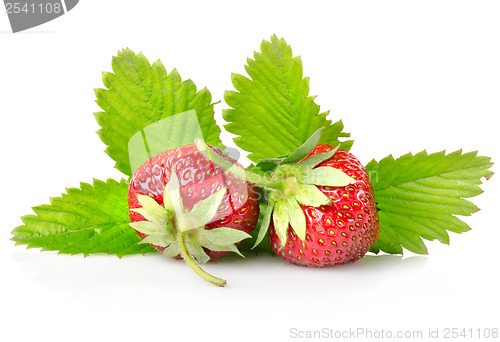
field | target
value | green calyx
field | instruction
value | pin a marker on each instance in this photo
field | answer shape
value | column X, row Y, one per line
column 297, row 185
column 184, row 232
column 286, row 179
column 293, row 183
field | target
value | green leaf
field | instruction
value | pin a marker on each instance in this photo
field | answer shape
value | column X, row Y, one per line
column 272, row 112
column 169, row 133
column 138, row 95
column 263, row 168
column 419, row 195
column 92, row 219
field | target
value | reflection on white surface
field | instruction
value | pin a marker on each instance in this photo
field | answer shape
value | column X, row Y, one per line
column 102, row 273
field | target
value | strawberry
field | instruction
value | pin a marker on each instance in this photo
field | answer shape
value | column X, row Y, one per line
column 320, row 205
column 342, row 230
column 187, row 207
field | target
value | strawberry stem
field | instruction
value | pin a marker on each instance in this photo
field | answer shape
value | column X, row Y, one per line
column 235, row 170
column 194, row 266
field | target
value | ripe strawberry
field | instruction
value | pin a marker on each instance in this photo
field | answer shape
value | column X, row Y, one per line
column 342, row 230
column 186, row 206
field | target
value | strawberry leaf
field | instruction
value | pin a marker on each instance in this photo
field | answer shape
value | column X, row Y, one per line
column 419, row 195
column 272, row 113
column 139, row 94
column 263, row 168
column 92, row 219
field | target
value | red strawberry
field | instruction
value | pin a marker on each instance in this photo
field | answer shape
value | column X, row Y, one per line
column 338, row 232
column 205, row 211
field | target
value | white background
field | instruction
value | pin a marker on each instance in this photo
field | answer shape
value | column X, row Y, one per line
column 402, row 75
